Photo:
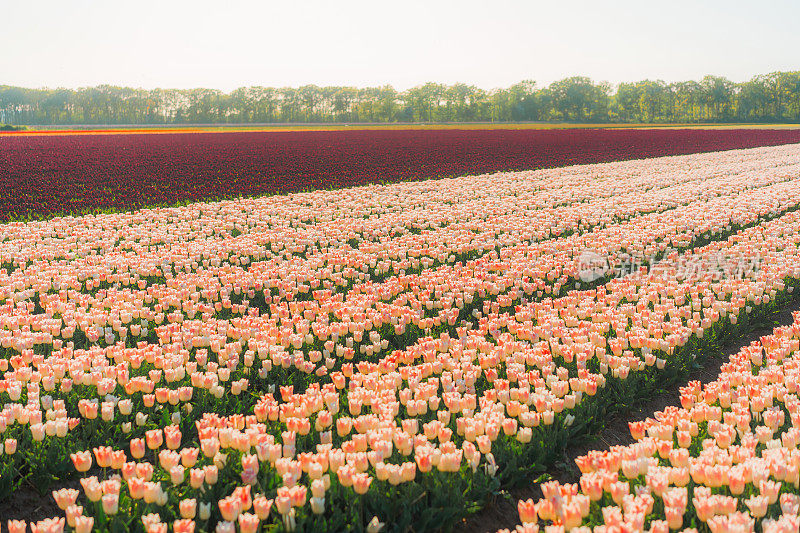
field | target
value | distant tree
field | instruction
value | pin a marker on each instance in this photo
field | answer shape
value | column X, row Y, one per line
column 718, row 98
column 388, row 106
column 524, row 103
column 790, row 82
column 579, row 99
column 769, row 97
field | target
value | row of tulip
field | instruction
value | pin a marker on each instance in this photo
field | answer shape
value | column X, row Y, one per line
column 87, row 311
column 397, row 224
column 725, row 460
column 206, row 405
column 168, row 290
column 202, row 335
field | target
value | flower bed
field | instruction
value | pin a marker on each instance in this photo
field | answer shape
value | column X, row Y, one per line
column 87, row 173
column 317, row 360
column 726, row 459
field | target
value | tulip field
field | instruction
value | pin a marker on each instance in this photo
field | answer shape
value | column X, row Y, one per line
column 389, row 357
column 726, row 458
column 88, row 173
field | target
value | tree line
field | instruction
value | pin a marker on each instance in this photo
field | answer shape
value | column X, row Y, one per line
column 771, row 97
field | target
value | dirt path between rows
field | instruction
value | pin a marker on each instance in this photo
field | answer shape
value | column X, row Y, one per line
column 502, row 512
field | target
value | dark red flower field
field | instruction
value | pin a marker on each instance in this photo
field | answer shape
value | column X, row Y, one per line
column 61, row 174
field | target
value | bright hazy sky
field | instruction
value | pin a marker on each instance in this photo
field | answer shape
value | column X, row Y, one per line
column 225, row 44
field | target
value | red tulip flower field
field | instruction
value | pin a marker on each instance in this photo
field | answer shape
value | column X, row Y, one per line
column 378, row 352
column 73, row 174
